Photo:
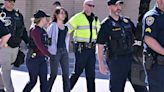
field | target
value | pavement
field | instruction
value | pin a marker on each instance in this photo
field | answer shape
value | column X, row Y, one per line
column 20, row 78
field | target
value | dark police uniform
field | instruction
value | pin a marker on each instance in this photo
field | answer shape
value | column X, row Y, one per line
column 118, row 37
column 17, row 28
column 9, row 54
column 3, row 30
column 36, row 63
column 153, row 27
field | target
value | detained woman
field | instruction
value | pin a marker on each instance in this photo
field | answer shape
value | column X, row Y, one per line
column 59, row 49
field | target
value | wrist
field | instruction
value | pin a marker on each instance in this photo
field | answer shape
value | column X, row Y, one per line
column 101, row 63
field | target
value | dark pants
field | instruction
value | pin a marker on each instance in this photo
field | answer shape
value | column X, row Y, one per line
column 62, row 58
column 84, row 60
column 37, row 67
column 156, row 78
column 120, row 69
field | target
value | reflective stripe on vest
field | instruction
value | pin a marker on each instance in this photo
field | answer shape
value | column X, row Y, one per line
column 70, row 26
column 78, row 39
column 86, row 27
column 80, row 27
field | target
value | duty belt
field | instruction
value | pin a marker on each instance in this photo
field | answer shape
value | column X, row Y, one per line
column 85, row 44
column 160, row 59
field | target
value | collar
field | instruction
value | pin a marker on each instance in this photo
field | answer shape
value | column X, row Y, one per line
column 114, row 19
column 92, row 14
column 4, row 9
column 159, row 10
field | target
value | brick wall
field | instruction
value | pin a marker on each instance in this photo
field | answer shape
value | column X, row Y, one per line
column 28, row 7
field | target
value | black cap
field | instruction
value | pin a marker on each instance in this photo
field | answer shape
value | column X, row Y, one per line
column 57, row 3
column 10, row 0
column 113, row 2
column 40, row 14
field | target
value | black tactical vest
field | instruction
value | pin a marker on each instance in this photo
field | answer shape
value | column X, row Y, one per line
column 44, row 38
column 16, row 27
column 121, row 37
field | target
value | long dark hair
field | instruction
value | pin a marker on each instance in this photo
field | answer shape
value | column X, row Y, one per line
column 57, row 12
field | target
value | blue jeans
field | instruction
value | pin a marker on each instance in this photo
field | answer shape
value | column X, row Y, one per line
column 61, row 58
column 37, row 67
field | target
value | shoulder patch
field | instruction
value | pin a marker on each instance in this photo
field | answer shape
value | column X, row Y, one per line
column 150, row 20
column 126, row 20
column 16, row 14
column 148, row 30
column 104, row 20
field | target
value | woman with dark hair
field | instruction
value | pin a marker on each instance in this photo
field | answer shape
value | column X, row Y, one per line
column 38, row 53
column 57, row 31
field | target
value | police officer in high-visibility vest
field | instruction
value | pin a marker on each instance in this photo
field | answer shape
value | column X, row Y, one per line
column 153, row 30
column 85, row 26
column 116, row 33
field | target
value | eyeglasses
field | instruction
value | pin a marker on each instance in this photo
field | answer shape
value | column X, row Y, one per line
column 62, row 12
column 90, row 5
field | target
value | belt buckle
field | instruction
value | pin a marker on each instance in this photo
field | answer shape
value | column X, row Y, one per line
column 33, row 55
column 89, row 45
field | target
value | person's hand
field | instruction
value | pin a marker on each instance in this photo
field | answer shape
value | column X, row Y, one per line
column 103, row 69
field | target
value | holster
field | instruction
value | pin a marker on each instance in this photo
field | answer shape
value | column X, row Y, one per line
column 138, row 76
column 160, row 60
column 29, row 54
column 149, row 60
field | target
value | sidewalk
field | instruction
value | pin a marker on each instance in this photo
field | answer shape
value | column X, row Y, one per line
column 21, row 78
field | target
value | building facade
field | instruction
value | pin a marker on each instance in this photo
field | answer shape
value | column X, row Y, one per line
column 28, row 7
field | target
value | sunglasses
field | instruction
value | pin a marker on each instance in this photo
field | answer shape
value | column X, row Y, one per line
column 90, row 5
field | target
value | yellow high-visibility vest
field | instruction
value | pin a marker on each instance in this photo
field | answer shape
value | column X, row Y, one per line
column 79, row 24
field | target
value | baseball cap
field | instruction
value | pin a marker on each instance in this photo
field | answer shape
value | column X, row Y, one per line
column 85, row 1
column 57, row 3
column 40, row 14
column 113, row 2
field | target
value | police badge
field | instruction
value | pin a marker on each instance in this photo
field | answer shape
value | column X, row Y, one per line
column 125, row 20
column 150, row 20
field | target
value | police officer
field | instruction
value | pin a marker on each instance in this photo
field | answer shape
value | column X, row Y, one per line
column 38, row 53
column 15, row 24
column 4, row 37
column 116, row 33
column 153, row 37
column 85, row 26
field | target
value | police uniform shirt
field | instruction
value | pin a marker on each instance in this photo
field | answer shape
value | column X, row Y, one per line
column 107, row 28
column 153, row 25
column 3, row 29
column 19, row 27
